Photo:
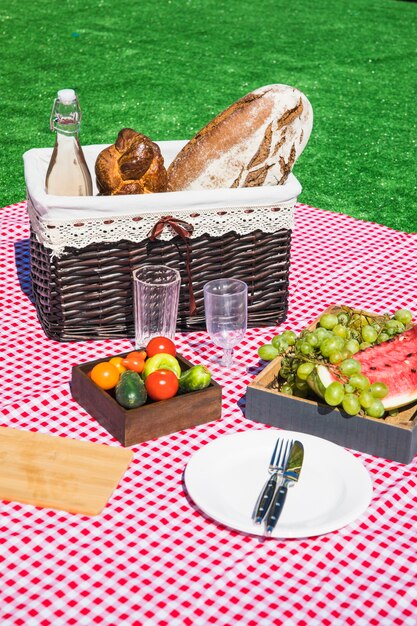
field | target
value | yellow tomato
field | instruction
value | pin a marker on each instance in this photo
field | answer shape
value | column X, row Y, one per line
column 117, row 362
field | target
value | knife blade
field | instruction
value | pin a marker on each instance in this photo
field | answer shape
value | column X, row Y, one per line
column 290, row 477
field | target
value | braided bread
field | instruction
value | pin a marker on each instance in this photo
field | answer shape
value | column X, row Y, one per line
column 133, row 164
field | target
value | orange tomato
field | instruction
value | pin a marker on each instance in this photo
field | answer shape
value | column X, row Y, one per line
column 105, row 375
column 117, row 361
column 135, row 361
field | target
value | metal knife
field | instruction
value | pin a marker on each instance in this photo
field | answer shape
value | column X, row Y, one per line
column 290, row 477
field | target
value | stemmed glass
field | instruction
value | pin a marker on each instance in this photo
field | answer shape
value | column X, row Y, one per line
column 226, row 311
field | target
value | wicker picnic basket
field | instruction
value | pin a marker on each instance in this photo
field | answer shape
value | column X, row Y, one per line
column 82, row 256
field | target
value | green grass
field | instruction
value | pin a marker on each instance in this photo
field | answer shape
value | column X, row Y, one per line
column 166, row 68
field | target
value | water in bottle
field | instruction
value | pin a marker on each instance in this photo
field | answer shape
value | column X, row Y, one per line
column 68, row 173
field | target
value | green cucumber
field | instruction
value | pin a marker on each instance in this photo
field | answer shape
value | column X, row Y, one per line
column 130, row 390
column 196, row 378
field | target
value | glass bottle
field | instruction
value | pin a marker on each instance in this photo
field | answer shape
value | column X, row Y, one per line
column 67, row 174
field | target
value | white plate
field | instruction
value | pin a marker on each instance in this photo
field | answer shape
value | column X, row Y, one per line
column 225, row 476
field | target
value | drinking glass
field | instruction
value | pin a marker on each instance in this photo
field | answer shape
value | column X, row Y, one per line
column 156, row 291
column 226, row 311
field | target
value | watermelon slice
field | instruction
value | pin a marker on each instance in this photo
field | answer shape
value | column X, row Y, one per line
column 393, row 362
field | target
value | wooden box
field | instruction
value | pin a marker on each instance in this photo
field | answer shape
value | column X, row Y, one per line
column 394, row 438
column 151, row 420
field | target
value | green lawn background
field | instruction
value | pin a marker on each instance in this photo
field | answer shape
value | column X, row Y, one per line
column 166, row 68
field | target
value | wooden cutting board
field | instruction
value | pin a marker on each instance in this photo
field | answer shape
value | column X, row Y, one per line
column 58, row 472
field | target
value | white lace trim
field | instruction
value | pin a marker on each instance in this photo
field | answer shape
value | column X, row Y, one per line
column 79, row 233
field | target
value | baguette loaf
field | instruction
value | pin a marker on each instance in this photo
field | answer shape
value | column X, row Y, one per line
column 254, row 142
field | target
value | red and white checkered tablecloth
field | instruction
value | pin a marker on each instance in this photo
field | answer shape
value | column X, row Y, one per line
column 151, row 558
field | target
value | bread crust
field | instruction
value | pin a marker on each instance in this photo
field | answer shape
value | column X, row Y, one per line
column 132, row 165
column 254, row 142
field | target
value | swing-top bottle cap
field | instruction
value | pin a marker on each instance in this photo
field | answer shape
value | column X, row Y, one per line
column 66, row 96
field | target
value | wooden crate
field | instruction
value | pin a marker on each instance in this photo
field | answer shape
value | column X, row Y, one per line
column 151, row 420
column 393, row 438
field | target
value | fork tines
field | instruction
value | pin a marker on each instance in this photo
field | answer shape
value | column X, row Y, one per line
column 277, row 465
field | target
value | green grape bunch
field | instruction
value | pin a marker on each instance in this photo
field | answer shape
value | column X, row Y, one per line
column 338, row 336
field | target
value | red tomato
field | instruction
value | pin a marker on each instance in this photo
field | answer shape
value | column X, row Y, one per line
column 161, row 384
column 160, row 344
column 135, row 361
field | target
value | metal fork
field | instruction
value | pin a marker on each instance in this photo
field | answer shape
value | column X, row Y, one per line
column 276, row 469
